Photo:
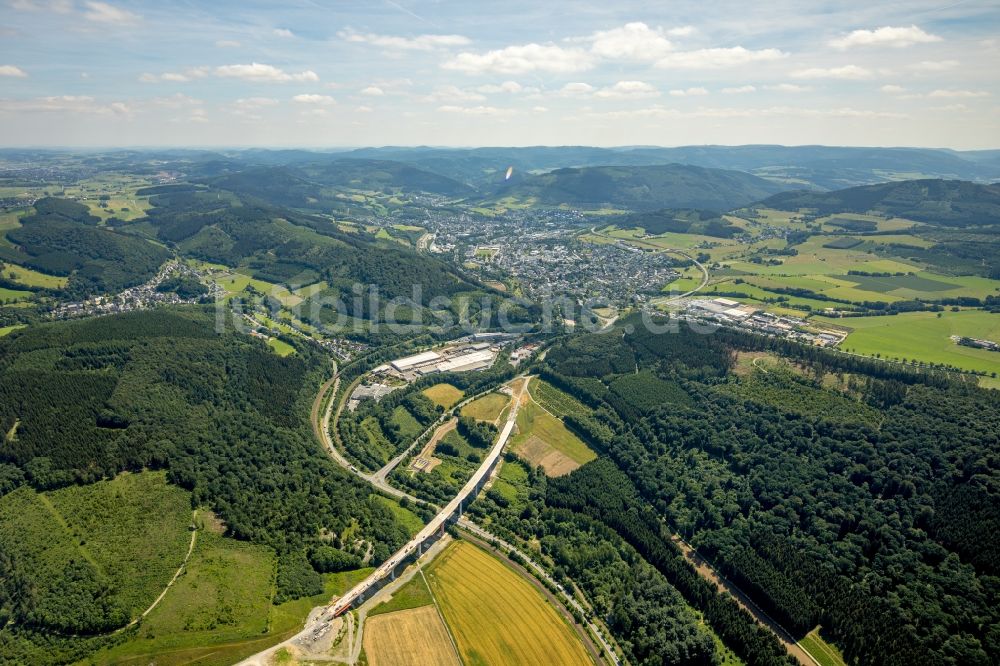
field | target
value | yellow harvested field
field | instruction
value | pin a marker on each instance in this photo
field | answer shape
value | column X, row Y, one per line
column 538, row 452
column 497, row 617
column 444, row 395
column 414, row 637
column 487, row 408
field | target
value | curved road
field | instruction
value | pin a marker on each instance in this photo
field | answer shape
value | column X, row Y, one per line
column 704, row 271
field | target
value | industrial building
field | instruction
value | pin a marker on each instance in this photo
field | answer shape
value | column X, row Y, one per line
column 411, row 362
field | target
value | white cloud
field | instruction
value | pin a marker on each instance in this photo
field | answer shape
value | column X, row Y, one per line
column 249, row 107
column 851, row 72
column 682, row 31
column 102, row 12
column 627, row 89
column 895, row 37
column 255, row 102
column 892, row 89
column 311, row 98
column 264, row 73
column 79, row 104
column 476, row 110
column 575, row 89
column 418, row 43
column 512, row 87
column 284, row 33
column 521, row 59
column 688, row 92
column 13, row 70
column 739, row 90
column 788, row 87
column 729, row 112
column 957, row 93
column 314, row 112
column 934, row 65
column 950, row 108
column 718, row 58
column 373, row 91
column 633, row 41
column 227, row 44
column 451, row 93
column 363, row 109
column 54, row 6
column 539, row 109
column 176, row 77
column 176, row 101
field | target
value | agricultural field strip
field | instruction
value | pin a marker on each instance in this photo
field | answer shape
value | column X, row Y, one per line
column 540, row 573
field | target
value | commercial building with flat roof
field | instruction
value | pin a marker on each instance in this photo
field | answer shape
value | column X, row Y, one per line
column 402, row 364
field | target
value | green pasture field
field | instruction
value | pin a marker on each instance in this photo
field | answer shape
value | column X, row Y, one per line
column 9, row 221
column 280, row 347
column 924, row 336
column 409, row 427
column 443, row 395
column 898, row 239
column 486, row 408
column 32, row 278
column 406, row 518
column 311, row 290
column 413, row 594
column 4, row 330
column 12, row 295
column 820, row 650
column 533, row 421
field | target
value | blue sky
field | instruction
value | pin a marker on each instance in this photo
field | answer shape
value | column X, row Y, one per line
column 331, row 74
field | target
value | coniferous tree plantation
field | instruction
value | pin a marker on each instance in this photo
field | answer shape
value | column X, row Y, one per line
column 830, row 492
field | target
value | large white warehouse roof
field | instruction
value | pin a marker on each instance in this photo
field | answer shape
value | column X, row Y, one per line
column 416, row 359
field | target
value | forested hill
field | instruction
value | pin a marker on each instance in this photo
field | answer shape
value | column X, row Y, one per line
column 316, row 184
column 62, row 238
column 821, row 167
column 639, row 187
column 948, row 203
column 226, row 417
column 285, row 246
column 681, row 221
column 836, row 491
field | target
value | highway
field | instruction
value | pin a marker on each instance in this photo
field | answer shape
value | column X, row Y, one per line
column 436, row 523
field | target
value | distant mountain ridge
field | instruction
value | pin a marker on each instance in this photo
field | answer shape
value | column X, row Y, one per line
column 640, row 188
column 948, row 203
column 819, row 167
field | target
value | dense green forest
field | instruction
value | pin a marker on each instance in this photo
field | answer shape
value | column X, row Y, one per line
column 851, row 507
column 224, row 416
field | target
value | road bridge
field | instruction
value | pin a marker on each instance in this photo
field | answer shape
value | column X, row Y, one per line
column 430, row 531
